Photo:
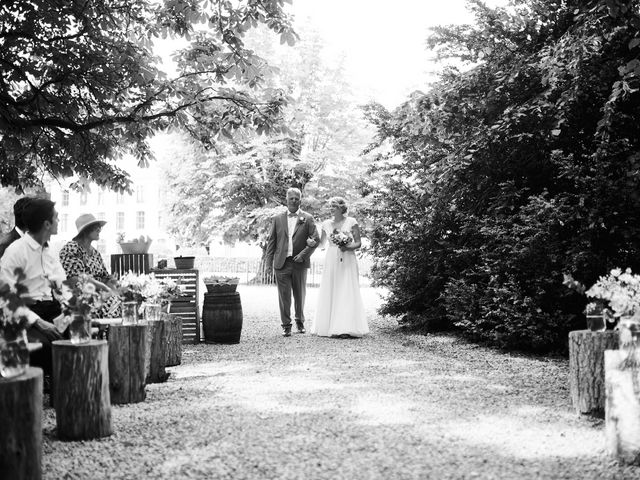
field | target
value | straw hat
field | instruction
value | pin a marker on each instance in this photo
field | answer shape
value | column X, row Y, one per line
column 87, row 220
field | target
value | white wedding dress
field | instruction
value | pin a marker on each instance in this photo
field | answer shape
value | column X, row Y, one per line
column 340, row 309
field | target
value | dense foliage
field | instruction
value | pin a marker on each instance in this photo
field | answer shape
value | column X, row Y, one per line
column 233, row 191
column 518, row 166
column 80, row 82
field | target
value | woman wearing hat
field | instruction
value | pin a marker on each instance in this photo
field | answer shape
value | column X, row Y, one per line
column 78, row 257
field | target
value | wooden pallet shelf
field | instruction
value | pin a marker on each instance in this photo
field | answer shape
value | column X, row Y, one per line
column 187, row 306
column 136, row 262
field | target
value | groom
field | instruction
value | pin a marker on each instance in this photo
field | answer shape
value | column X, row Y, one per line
column 288, row 250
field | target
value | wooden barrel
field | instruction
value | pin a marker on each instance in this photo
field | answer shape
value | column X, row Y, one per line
column 222, row 317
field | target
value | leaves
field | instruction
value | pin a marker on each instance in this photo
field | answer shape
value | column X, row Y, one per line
column 510, row 173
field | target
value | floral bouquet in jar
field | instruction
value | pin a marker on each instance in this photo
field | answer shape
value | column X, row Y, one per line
column 14, row 314
column 13, row 306
column 81, row 299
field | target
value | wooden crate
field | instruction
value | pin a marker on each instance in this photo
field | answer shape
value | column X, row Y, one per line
column 187, row 306
column 136, row 262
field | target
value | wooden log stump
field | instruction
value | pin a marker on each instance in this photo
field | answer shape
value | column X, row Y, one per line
column 81, row 389
column 21, row 426
column 173, row 328
column 622, row 420
column 586, row 369
column 155, row 356
column 127, row 350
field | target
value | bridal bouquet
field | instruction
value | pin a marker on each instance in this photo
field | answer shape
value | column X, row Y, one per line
column 340, row 239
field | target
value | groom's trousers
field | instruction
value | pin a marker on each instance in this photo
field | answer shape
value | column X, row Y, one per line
column 292, row 277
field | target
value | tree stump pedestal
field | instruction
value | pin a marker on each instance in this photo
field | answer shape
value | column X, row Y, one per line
column 586, row 369
column 173, row 331
column 622, row 421
column 127, row 351
column 81, row 389
column 21, row 426
column 155, row 356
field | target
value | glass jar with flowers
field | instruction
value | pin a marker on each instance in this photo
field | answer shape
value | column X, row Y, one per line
column 621, row 291
column 130, row 287
column 78, row 301
column 157, row 293
column 14, row 349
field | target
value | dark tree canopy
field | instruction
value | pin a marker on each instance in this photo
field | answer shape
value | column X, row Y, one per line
column 80, row 85
column 520, row 168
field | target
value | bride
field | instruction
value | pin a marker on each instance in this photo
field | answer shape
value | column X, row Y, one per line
column 340, row 311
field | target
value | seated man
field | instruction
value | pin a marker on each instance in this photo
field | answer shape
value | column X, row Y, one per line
column 31, row 254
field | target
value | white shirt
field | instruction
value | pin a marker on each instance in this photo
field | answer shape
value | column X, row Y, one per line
column 291, row 225
column 20, row 232
column 38, row 264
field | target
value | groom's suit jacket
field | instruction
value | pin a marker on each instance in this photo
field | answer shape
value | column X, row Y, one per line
column 279, row 238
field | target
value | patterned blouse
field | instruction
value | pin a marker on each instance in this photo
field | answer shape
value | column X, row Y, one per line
column 76, row 260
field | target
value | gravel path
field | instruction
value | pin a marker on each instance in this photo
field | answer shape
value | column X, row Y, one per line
column 388, row 406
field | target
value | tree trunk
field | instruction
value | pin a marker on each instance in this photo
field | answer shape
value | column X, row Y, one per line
column 173, row 329
column 623, row 405
column 127, row 350
column 155, row 356
column 265, row 275
column 586, row 369
column 21, row 426
column 81, row 389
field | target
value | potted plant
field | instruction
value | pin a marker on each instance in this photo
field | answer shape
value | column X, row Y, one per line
column 134, row 245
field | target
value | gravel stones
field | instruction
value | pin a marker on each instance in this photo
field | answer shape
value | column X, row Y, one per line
column 387, row 406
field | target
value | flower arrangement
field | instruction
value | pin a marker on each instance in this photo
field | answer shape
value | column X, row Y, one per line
column 160, row 290
column 301, row 219
column 81, row 298
column 340, row 239
column 139, row 288
column 13, row 306
column 620, row 290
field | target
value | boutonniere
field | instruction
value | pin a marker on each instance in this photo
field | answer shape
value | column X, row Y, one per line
column 301, row 219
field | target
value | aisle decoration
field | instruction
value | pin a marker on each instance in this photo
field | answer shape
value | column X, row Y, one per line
column 14, row 352
column 145, row 293
column 621, row 292
column 78, row 303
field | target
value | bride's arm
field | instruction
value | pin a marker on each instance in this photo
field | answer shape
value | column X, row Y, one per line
column 357, row 241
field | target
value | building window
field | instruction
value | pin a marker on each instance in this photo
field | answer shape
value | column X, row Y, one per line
column 64, row 222
column 101, row 216
column 120, row 221
column 120, row 198
column 100, row 198
column 140, row 194
column 65, row 198
column 139, row 220
column 83, row 198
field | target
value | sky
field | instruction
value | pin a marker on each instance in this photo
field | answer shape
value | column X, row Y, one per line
column 384, row 41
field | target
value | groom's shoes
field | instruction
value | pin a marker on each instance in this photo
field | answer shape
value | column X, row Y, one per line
column 286, row 331
column 300, row 327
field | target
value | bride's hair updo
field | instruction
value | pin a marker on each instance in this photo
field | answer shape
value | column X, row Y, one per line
column 339, row 202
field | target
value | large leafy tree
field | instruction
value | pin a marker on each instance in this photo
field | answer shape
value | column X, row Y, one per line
column 233, row 191
column 519, row 167
column 80, row 84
